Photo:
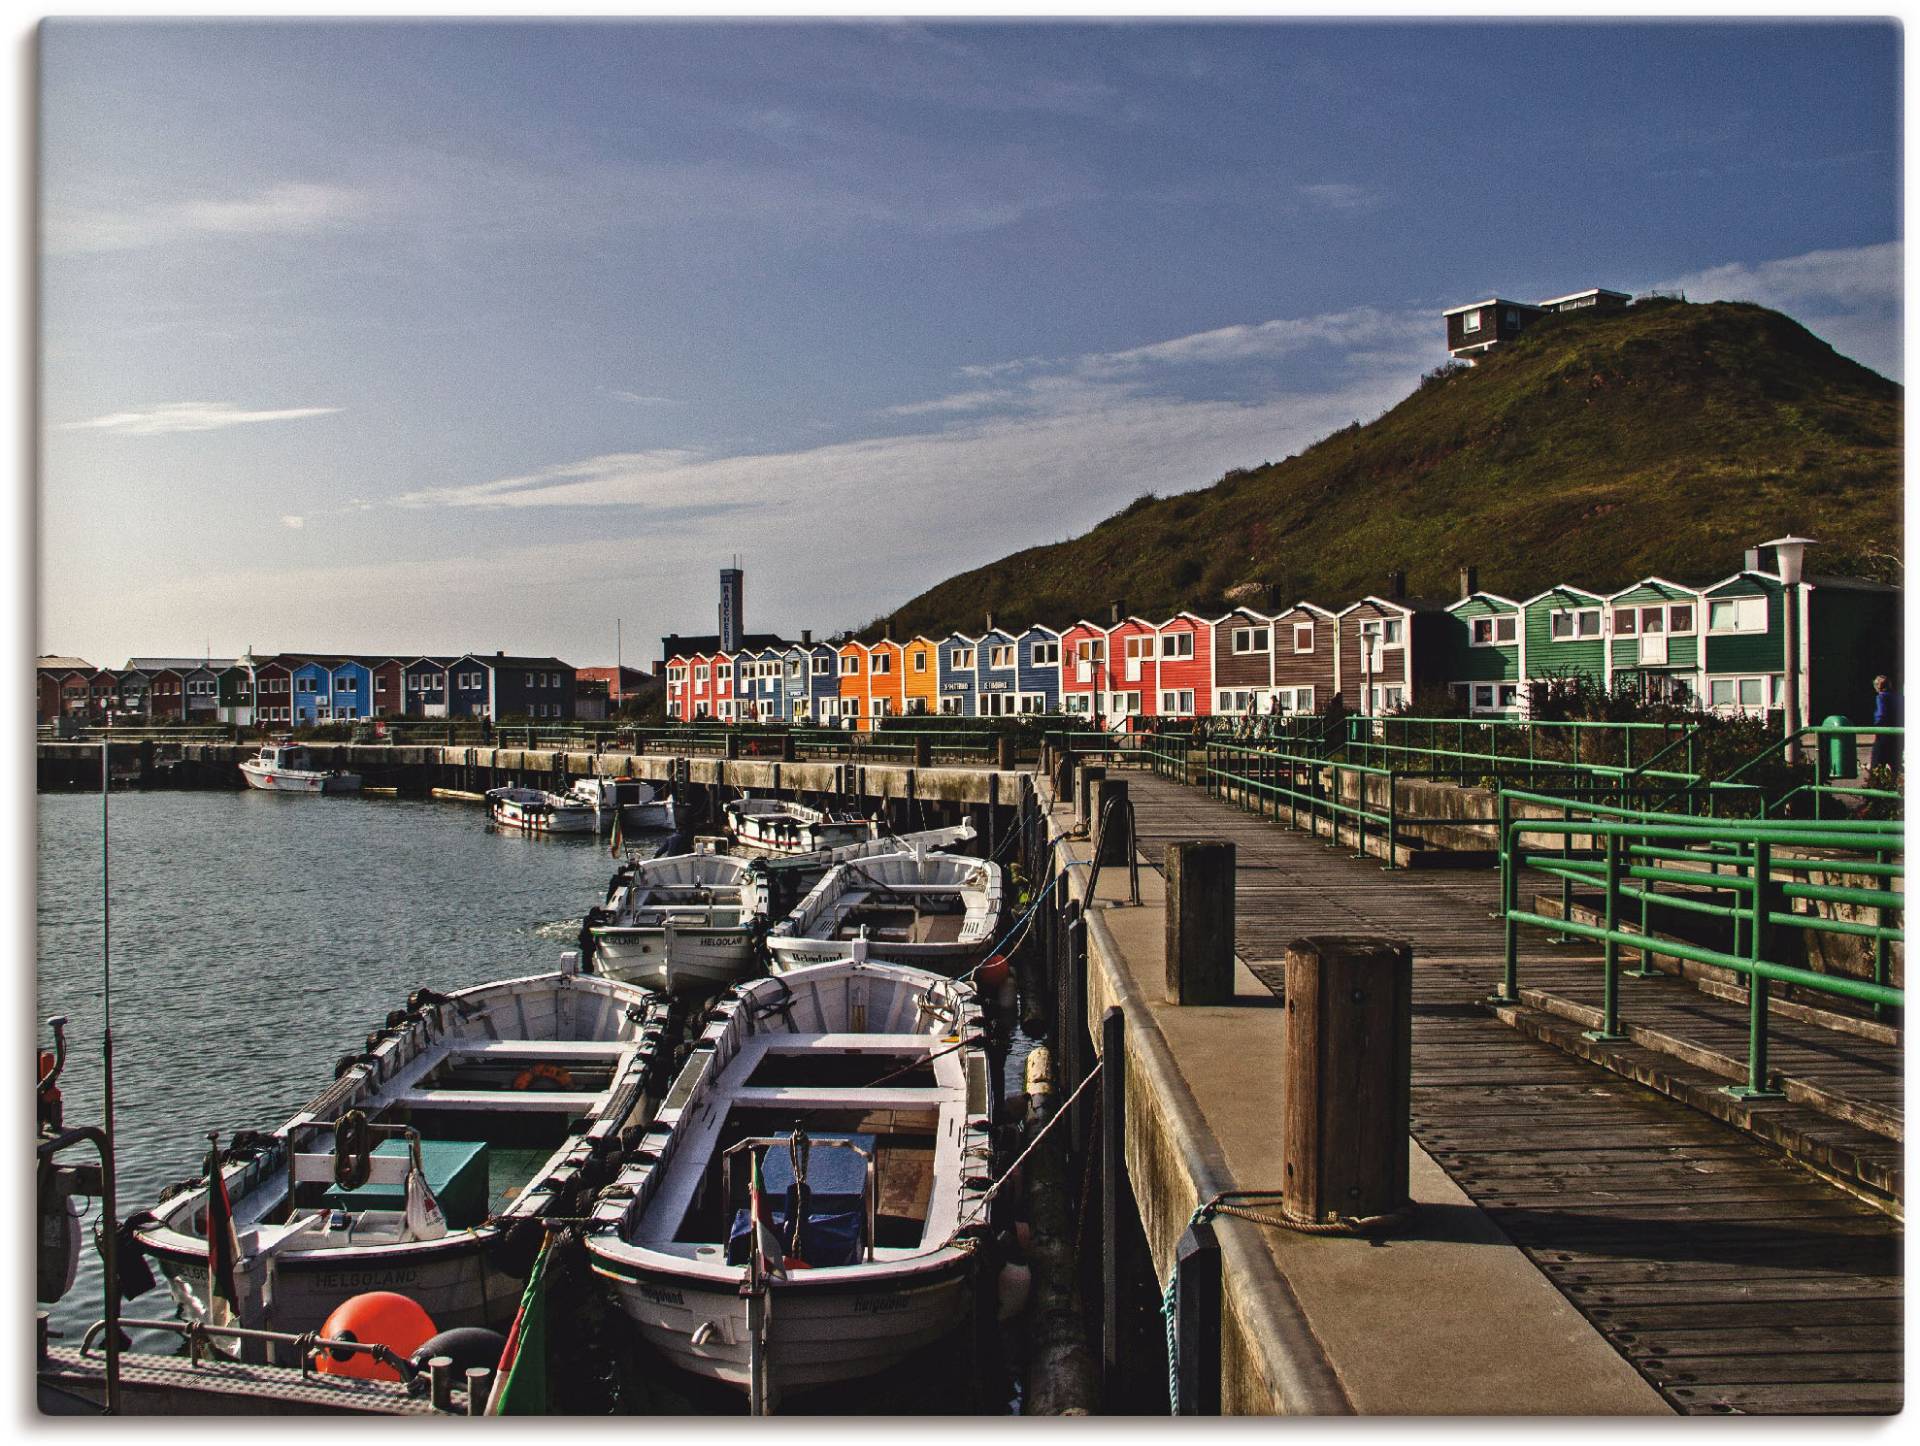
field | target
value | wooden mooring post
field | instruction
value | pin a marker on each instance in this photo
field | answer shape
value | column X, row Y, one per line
column 1348, row 1068
column 1116, row 1204
column 1088, row 775
column 1196, row 1321
column 1200, row 922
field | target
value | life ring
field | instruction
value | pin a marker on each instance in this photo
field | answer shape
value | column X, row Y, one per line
column 555, row 1076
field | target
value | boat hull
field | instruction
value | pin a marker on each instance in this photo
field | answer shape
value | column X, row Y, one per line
column 819, row 1333
column 505, row 813
column 692, row 960
column 950, row 960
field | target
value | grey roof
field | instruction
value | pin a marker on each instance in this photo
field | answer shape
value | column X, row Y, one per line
column 62, row 664
column 178, row 665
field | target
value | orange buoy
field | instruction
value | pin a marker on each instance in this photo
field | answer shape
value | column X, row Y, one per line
column 993, row 972
column 381, row 1316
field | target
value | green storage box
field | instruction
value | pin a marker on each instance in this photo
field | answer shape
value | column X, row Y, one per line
column 456, row 1173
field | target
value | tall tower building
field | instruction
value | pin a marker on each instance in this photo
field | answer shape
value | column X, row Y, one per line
column 732, row 603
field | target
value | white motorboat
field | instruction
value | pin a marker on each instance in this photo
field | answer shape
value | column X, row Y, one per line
column 425, row 1167
column 792, row 877
column 534, row 810
column 770, row 826
column 932, row 910
column 859, row 1248
column 637, row 805
column 688, row 923
column 289, row 768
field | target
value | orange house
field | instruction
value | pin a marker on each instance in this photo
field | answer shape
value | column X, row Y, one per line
column 854, row 657
column 884, row 676
column 920, row 677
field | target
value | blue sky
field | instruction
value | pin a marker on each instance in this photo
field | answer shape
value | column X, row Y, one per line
column 436, row 336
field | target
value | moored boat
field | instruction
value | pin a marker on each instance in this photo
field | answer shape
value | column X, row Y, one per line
column 425, row 1167
column 687, row 924
column 858, row 1095
column 637, row 805
column 932, row 910
column 289, row 768
column 771, row 826
column 534, row 810
column 790, row 878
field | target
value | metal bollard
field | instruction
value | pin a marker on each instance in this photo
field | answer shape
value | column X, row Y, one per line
column 440, row 1382
column 478, row 1379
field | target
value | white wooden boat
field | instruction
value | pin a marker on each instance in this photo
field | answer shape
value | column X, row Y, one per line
column 534, row 810
column 791, row 878
column 770, row 826
column 883, row 1068
column 639, row 806
column 687, row 924
column 289, row 768
column 520, row 1097
column 931, row 910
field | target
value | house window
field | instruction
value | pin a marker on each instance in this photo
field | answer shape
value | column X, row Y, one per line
column 880, row 708
column 821, row 665
column 1303, row 637
column 1046, row 655
column 950, row 705
column 1680, row 618
column 1090, row 650
column 1388, row 630
column 1139, row 647
column 724, row 674
column 882, row 663
column 1249, row 640
column 1000, row 657
column 1177, row 645
column 1565, row 624
column 1180, row 701
column 1081, row 703
column 962, row 658
column 1294, row 700
column 1125, row 703
column 1491, row 631
column 1470, row 321
column 920, row 662
column 1386, row 699
column 850, row 706
column 1737, row 615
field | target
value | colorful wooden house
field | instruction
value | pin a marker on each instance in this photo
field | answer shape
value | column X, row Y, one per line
column 1037, row 653
column 758, row 694
column 885, row 696
column 1306, row 651
column 167, row 696
column 103, row 695
column 1084, row 677
column 1134, row 671
column 1389, row 648
column 76, row 689
column 920, row 676
column 388, row 689
column 468, row 694
column 675, row 676
column 725, row 700
column 201, row 689
column 1242, row 663
column 1484, row 658
column 1564, row 638
column 425, row 687
column 273, row 692
column 996, row 677
column 1653, row 640
column 234, row 695
column 959, row 675
column 134, row 682
column 853, row 656
column 352, row 685
column 46, row 702
column 1185, row 647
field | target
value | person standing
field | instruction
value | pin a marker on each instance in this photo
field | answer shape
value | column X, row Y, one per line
column 1886, row 715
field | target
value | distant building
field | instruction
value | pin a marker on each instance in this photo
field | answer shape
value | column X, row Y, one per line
column 1476, row 329
column 733, row 612
column 619, row 684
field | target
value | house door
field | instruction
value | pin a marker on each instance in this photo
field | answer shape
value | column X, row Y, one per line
column 1135, row 648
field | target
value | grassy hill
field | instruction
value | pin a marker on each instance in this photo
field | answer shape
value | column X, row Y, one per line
column 1595, row 449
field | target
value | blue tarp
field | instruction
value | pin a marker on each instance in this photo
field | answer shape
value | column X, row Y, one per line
column 836, row 1215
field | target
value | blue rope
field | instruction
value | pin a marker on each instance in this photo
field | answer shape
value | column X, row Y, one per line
column 1018, row 925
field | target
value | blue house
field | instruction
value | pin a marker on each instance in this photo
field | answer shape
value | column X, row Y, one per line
column 759, row 683
column 1039, row 657
column 352, row 690
column 312, row 692
column 959, row 675
column 424, row 687
column 996, row 673
column 469, row 691
column 817, row 682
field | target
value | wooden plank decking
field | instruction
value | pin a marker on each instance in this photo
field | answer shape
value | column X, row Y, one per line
column 1732, row 1280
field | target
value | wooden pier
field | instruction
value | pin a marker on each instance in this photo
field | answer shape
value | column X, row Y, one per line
column 1582, row 1243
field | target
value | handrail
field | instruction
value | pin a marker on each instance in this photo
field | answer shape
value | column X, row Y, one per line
column 1637, row 853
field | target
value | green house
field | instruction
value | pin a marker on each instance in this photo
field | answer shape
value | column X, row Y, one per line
column 1850, row 629
column 1653, row 639
column 1483, row 653
column 1563, row 634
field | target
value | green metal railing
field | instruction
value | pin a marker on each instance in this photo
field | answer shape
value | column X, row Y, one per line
column 1468, row 749
column 1730, row 870
column 1261, row 780
column 1833, row 742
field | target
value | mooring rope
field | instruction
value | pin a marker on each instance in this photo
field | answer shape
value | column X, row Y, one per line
column 1034, row 1143
column 1007, row 938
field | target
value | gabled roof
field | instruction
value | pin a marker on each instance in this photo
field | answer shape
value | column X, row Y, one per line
column 1302, row 605
column 1039, row 628
column 1753, row 573
column 1242, row 611
column 61, row 664
column 1562, row 587
column 960, row 638
column 1385, row 602
column 1490, row 301
column 148, row 665
column 1189, row 614
column 1100, row 628
column 1478, row 596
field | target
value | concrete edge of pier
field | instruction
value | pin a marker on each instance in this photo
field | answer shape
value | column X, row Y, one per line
column 1452, row 1318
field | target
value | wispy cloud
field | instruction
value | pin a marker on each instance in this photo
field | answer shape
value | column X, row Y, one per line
column 641, row 399
column 1341, row 196
column 1852, row 297
column 284, row 208
column 958, row 402
column 168, row 417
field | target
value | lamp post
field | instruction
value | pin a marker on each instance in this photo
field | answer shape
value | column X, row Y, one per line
column 1789, row 561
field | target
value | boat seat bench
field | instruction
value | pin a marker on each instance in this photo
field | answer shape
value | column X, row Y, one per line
column 522, row 1102
column 533, row 1049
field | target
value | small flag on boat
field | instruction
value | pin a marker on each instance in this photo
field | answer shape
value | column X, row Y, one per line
column 769, row 1255
column 223, row 1247
column 614, row 847
column 425, row 1220
column 520, row 1380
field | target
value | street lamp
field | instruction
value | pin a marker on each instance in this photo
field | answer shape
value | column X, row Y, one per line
column 1789, row 561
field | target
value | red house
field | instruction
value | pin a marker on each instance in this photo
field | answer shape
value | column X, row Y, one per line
column 1083, row 670
column 1186, row 666
column 388, row 701
column 273, row 695
column 167, row 697
column 1134, row 687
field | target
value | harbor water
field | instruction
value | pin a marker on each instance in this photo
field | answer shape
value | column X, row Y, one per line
column 256, row 938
